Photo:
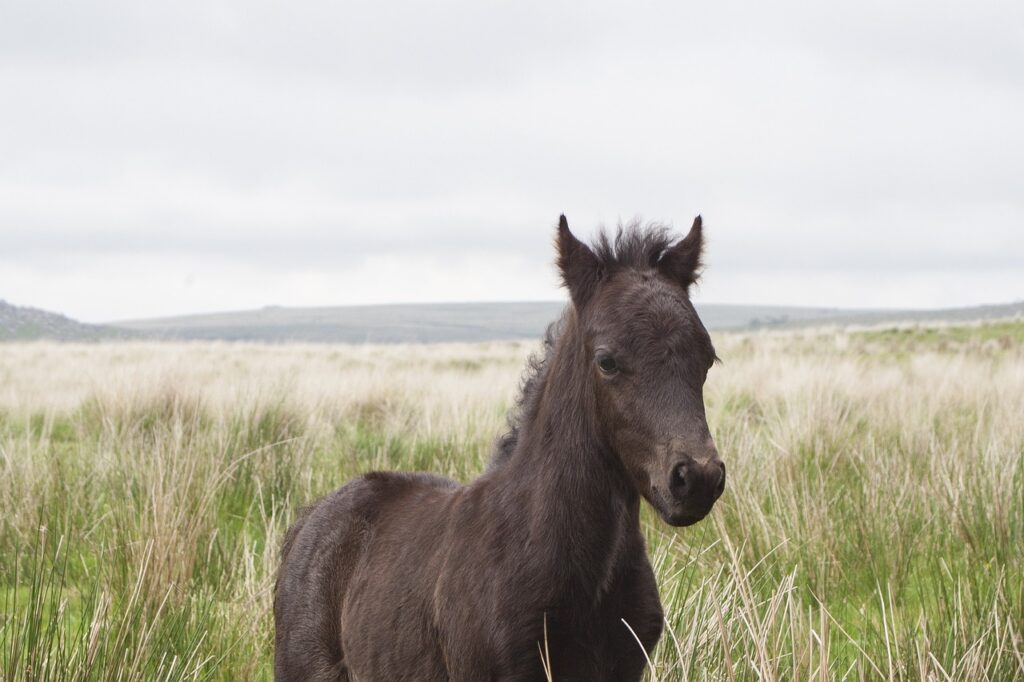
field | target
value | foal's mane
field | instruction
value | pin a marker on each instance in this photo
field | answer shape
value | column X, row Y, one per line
column 635, row 246
column 529, row 392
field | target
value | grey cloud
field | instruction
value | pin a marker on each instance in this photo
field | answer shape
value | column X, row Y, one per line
column 870, row 136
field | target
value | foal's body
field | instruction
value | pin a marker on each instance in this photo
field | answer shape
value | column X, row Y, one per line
column 548, row 538
column 539, row 563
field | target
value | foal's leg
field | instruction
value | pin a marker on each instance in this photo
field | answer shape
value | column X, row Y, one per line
column 639, row 606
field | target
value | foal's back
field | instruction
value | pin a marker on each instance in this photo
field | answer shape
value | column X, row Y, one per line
column 324, row 571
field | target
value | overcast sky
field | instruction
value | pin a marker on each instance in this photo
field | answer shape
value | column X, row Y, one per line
column 195, row 156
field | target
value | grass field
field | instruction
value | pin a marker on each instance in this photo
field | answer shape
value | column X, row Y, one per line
column 873, row 526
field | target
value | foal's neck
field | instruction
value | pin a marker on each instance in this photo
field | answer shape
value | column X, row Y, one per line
column 582, row 513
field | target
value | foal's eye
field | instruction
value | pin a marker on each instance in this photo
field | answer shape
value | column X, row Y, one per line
column 607, row 364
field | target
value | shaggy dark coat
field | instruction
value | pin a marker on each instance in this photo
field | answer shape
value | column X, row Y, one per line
column 538, row 566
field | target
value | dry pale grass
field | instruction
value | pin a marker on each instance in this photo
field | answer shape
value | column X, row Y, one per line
column 873, row 526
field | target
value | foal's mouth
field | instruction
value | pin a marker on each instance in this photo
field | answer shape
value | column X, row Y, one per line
column 683, row 520
column 671, row 514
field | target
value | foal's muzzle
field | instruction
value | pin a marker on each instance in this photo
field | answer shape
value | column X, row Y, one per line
column 694, row 486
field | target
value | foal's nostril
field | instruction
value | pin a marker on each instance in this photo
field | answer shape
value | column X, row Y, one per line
column 686, row 479
column 720, row 488
column 679, row 477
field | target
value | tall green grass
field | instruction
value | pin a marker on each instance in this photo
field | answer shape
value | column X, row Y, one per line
column 873, row 526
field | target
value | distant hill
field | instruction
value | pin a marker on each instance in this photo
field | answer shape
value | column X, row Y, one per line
column 31, row 324
column 435, row 322
column 493, row 321
column 362, row 324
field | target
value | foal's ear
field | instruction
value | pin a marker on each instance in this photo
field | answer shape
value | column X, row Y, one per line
column 580, row 268
column 682, row 261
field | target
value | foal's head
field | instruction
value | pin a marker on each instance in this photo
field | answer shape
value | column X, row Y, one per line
column 648, row 354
